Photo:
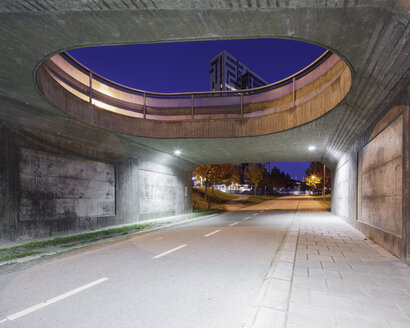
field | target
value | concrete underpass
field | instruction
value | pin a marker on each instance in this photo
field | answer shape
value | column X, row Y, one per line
column 76, row 157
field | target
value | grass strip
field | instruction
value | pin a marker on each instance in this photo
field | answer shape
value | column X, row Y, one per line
column 18, row 255
column 69, row 241
column 36, row 247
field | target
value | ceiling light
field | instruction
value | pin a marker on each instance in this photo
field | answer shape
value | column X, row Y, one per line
column 177, row 152
column 311, row 148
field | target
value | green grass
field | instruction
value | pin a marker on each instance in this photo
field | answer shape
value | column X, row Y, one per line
column 37, row 247
column 215, row 195
column 217, row 198
column 9, row 257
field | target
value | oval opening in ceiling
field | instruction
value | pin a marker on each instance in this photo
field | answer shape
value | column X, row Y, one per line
column 185, row 66
column 238, row 88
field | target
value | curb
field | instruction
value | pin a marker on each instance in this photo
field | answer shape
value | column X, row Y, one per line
column 270, row 309
column 107, row 240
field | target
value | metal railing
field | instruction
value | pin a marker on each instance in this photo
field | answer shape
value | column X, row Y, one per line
column 184, row 103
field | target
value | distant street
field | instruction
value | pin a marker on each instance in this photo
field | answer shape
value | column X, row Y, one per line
column 202, row 274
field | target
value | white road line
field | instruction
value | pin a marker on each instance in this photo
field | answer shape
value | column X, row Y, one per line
column 167, row 252
column 247, row 218
column 255, row 214
column 53, row 300
column 4, row 320
column 212, row 233
column 232, row 224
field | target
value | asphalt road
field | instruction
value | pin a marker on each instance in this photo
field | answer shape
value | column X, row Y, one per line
column 202, row 274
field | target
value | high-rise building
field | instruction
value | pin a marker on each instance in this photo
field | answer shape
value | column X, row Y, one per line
column 228, row 73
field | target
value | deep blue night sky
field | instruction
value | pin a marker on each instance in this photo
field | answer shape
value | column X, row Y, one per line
column 184, row 66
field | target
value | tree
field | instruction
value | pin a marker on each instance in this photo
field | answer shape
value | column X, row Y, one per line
column 204, row 171
column 278, row 179
column 216, row 173
column 312, row 181
column 255, row 173
column 316, row 169
column 226, row 173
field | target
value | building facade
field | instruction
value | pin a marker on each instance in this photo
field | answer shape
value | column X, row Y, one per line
column 228, row 73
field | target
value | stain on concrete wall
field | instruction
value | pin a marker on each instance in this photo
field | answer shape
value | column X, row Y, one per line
column 55, row 187
column 380, row 180
column 369, row 189
column 157, row 195
column 341, row 183
column 51, row 185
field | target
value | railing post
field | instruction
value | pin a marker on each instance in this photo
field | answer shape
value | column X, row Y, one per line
column 294, row 92
column 91, row 86
column 241, row 105
column 145, row 105
column 192, row 107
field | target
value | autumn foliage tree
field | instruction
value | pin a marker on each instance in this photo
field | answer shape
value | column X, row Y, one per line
column 312, row 181
column 315, row 174
column 216, row 173
column 255, row 174
column 316, row 169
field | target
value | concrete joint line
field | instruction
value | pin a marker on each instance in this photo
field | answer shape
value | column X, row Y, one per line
column 275, row 292
column 293, row 270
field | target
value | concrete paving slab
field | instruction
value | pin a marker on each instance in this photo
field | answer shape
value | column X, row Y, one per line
column 270, row 318
column 351, row 282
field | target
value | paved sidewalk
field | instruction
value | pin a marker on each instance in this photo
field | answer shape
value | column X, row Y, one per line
column 327, row 274
column 343, row 280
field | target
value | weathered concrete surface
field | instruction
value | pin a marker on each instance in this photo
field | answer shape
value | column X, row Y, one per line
column 380, row 172
column 371, row 36
column 54, row 187
column 47, row 190
column 316, row 93
column 371, row 181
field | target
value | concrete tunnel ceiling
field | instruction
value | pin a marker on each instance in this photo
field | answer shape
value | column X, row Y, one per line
column 370, row 35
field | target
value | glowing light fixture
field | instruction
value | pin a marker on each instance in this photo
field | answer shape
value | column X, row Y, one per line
column 311, row 148
column 177, row 152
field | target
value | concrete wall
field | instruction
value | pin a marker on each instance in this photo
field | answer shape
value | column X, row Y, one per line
column 371, row 182
column 379, row 188
column 46, row 190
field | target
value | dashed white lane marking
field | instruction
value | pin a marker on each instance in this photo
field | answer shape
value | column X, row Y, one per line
column 255, row 214
column 53, row 300
column 247, row 218
column 232, row 224
column 212, row 233
column 4, row 320
column 167, row 252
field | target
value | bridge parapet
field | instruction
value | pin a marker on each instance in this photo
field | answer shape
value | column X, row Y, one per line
column 279, row 106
